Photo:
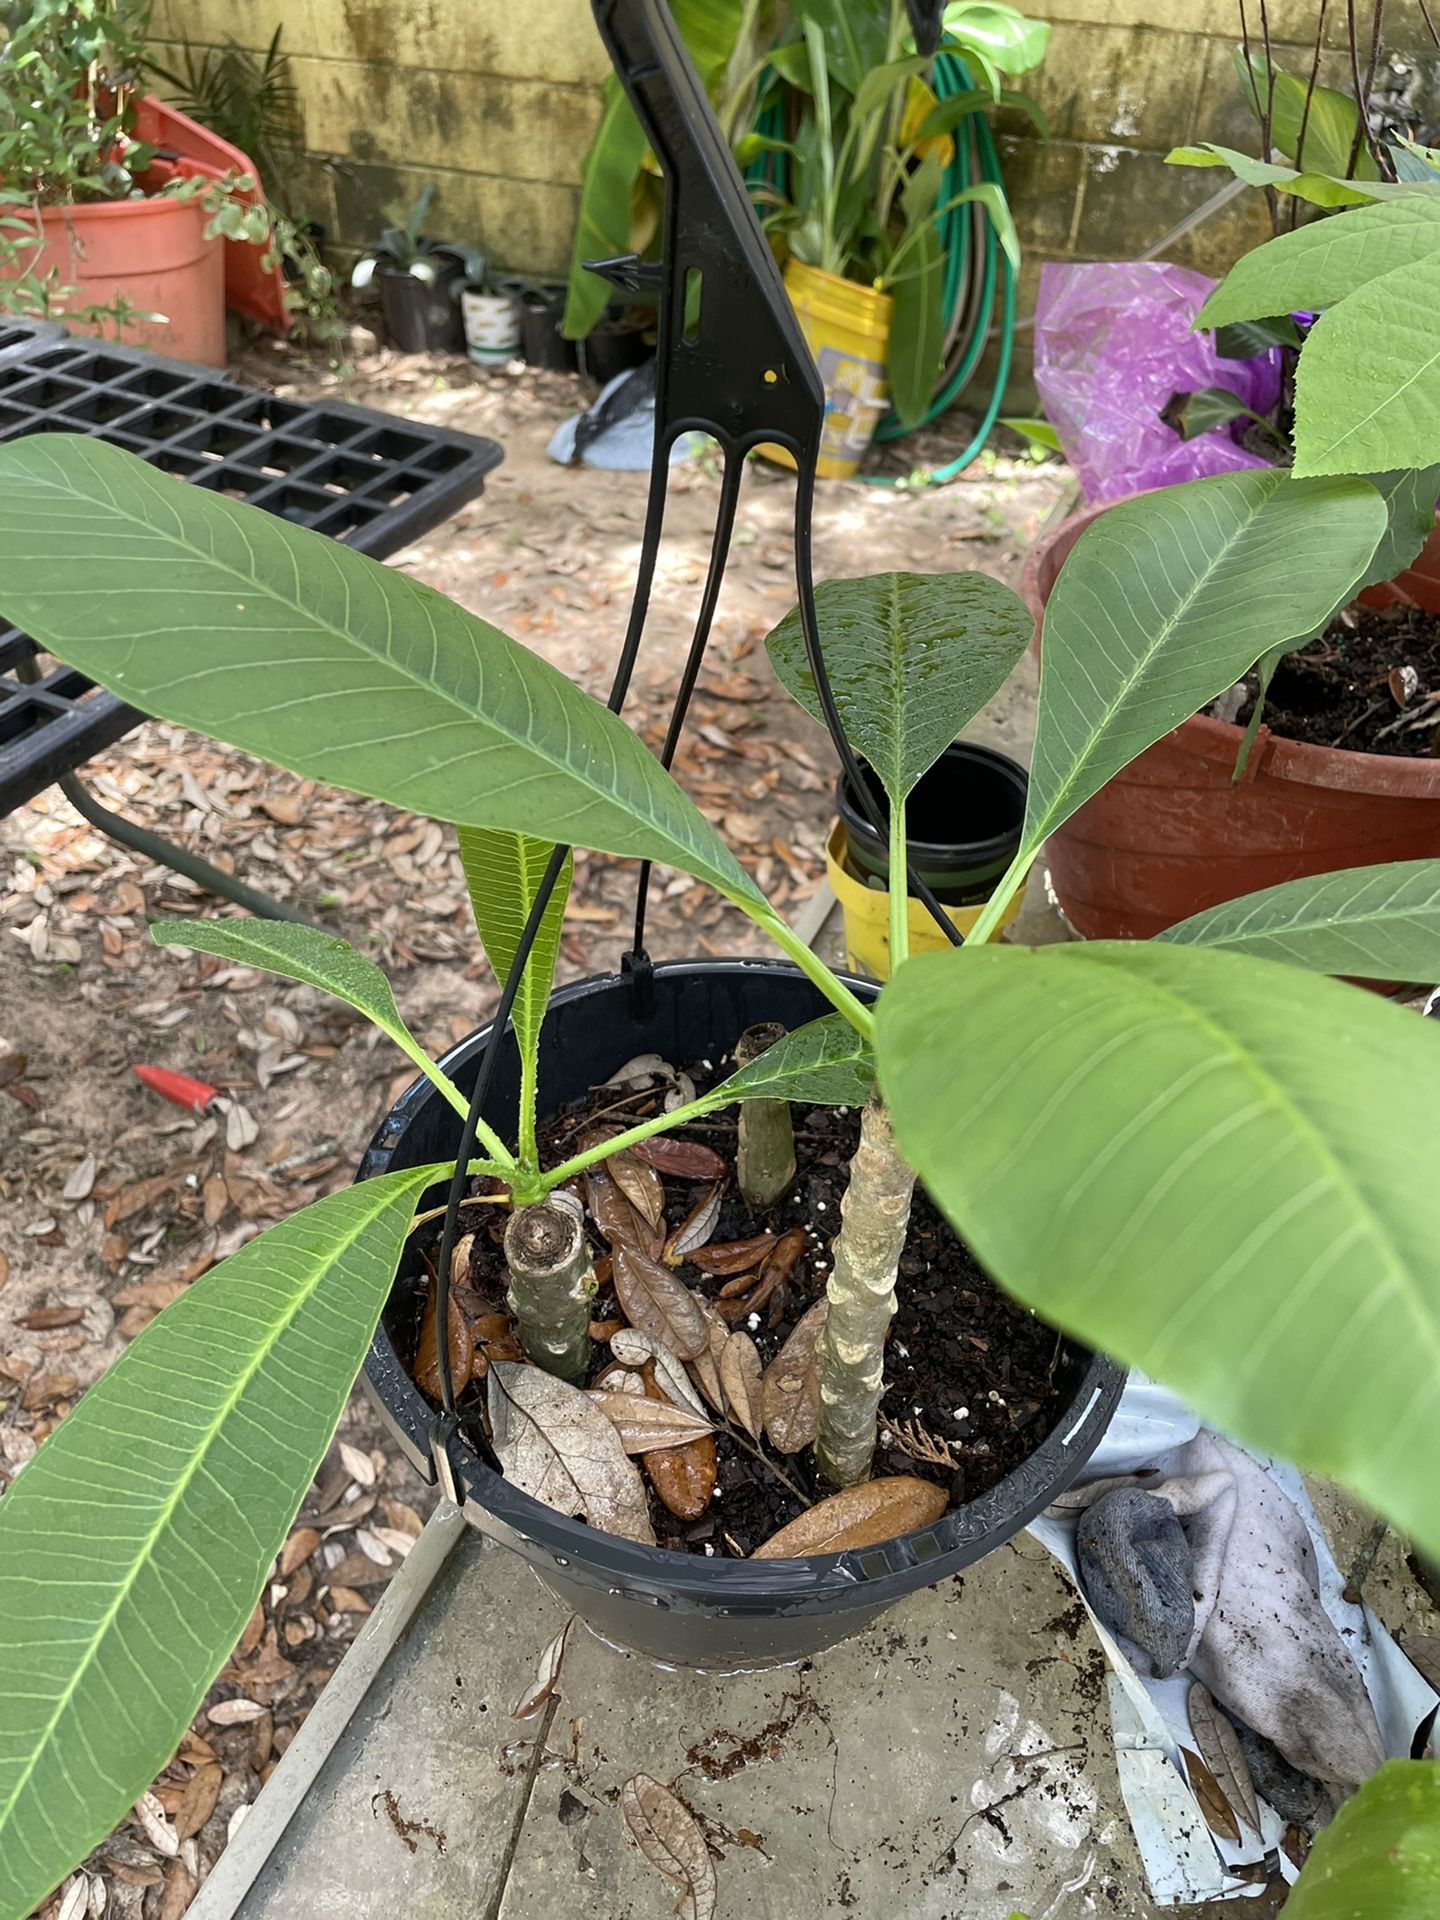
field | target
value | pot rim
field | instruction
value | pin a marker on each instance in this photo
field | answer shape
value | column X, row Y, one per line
column 888, row 1565
column 1300, row 761
column 73, row 213
column 944, row 852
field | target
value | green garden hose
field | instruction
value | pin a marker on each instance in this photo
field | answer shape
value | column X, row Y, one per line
column 976, row 267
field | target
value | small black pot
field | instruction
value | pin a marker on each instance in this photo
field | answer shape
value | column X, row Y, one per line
column 541, row 340
column 422, row 316
column 962, row 823
column 682, row 1608
column 611, row 350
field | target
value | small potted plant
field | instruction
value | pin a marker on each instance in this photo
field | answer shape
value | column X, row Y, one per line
column 420, row 281
column 491, row 312
column 87, row 233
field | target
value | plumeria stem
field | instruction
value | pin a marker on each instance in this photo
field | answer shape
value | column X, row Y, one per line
column 1009, row 885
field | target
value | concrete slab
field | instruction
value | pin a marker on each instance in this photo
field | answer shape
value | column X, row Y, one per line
column 954, row 1760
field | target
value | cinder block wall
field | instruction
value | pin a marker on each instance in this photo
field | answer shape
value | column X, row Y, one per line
column 496, row 103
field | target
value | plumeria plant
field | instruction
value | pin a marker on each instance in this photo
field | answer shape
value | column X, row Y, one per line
column 1198, row 1153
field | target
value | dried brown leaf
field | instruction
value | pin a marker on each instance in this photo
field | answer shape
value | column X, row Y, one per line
column 1220, row 1749
column 741, row 1376
column 180, row 1886
column 669, row 1836
column 427, row 1355
column 641, row 1186
column 547, row 1677
column 75, row 1901
column 738, row 1285
column 684, row 1159
column 734, row 1256
column 791, row 1387
column 197, row 1803
column 1422, row 1650
column 683, row 1477
column 49, row 1319
column 644, row 1424
column 215, row 1198
column 632, row 1348
column 783, row 1258
column 297, row 1550
column 705, row 1367
column 150, row 1817
column 78, row 1186
column 359, row 1465
column 558, row 1447
column 696, row 1228
column 1210, row 1798
column 858, row 1517
column 621, row 1224
column 659, row 1304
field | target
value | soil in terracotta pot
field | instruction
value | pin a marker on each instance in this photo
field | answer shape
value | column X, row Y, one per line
column 1370, row 684
column 964, row 1365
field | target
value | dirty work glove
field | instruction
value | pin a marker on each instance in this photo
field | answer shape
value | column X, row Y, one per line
column 1138, row 1574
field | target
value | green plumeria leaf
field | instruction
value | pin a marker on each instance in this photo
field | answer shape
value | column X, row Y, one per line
column 318, row 958
column 134, row 1545
column 822, row 1064
column 1380, row 1855
column 1374, row 923
column 1216, row 1168
column 1167, row 600
column 292, row 646
column 1326, row 262
column 912, row 658
column 1367, row 386
column 503, row 872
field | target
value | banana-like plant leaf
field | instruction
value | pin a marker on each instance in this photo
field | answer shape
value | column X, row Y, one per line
column 602, row 220
column 1367, row 386
column 1218, row 1169
column 1374, row 923
column 854, row 38
column 503, row 872
column 1380, row 1855
column 1326, row 262
column 917, row 333
column 203, row 611
column 318, row 958
column 912, row 658
column 822, row 1064
column 1165, row 601
column 134, row 1545
column 1037, row 431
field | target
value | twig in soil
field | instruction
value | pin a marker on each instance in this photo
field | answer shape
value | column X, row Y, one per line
column 1375, row 706
column 616, row 1106
column 743, row 1439
column 475, row 1200
column 1364, row 1560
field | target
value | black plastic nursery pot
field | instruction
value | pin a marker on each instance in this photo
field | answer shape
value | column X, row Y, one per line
column 422, row 316
column 541, row 340
column 962, row 822
column 679, row 1608
column 613, row 349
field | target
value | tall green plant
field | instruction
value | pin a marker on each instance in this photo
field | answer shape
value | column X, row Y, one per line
column 1193, row 1155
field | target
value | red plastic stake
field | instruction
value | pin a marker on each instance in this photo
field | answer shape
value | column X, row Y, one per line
column 177, row 1087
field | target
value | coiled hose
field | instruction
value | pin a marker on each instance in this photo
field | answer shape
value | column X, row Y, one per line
column 976, row 267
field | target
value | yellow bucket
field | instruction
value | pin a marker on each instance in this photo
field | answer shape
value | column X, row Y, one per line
column 867, row 915
column 847, row 328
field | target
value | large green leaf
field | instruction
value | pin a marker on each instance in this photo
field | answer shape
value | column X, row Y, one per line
column 822, row 1064
column 912, row 657
column 1409, row 495
column 1367, row 386
column 1379, row 1858
column 1314, row 126
column 1217, row 1168
column 135, row 1544
column 917, row 332
column 1321, row 264
column 1165, row 601
column 503, row 872
column 855, row 38
column 271, row 638
column 1005, row 36
column 1320, row 189
column 602, row 220
column 1375, row 923
column 318, row 958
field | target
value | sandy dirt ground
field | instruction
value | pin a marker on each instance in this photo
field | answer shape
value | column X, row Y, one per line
column 112, row 1202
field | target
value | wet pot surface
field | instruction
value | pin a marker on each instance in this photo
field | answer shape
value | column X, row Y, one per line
column 673, row 1606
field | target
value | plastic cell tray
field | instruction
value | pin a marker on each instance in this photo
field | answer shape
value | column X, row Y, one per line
column 372, row 480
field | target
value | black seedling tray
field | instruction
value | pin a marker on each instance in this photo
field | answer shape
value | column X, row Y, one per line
column 372, row 480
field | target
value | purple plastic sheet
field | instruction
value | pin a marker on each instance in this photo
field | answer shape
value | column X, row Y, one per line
column 1112, row 343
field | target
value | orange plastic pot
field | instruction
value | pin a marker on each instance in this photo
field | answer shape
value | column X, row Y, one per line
column 155, row 253
column 1173, row 832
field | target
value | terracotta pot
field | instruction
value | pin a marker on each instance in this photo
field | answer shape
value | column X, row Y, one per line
column 1172, row 833
column 155, row 253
